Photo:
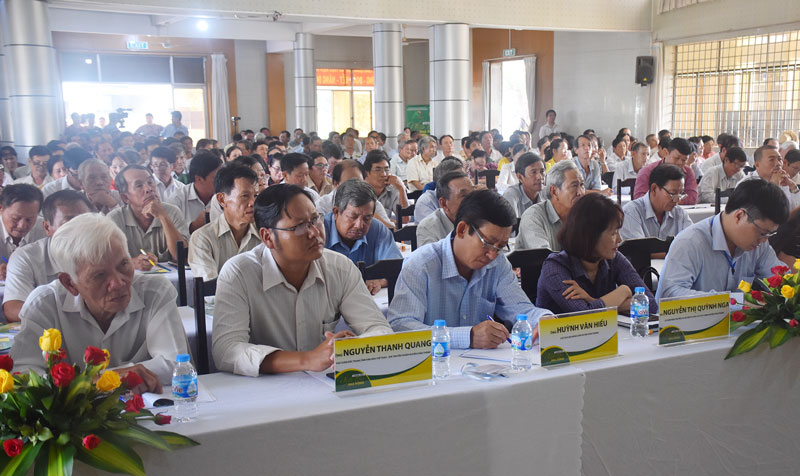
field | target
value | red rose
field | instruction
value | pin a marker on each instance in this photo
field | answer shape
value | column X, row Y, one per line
column 13, row 447
column 738, row 316
column 132, row 380
column 793, row 323
column 90, row 442
column 733, row 302
column 757, row 295
column 6, row 363
column 134, row 404
column 94, row 356
column 779, row 270
column 62, row 374
column 162, row 419
column 774, row 281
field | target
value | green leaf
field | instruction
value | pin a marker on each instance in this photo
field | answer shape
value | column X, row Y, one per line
column 43, row 433
column 63, row 439
column 749, row 340
column 142, row 435
column 109, row 457
column 80, row 384
column 20, row 464
column 60, row 459
column 780, row 334
column 176, row 441
column 47, row 401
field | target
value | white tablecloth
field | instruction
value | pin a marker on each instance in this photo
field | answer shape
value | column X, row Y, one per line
column 699, row 212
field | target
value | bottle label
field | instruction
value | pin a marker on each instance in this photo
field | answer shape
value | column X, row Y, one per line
column 639, row 311
column 184, row 386
column 441, row 349
column 521, row 341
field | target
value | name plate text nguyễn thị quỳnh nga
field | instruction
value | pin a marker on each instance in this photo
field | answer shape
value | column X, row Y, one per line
column 694, row 318
column 578, row 336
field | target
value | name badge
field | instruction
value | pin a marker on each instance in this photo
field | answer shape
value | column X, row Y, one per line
column 694, row 318
column 578, row 336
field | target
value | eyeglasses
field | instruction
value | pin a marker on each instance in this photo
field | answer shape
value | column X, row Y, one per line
column 320, row 166
column 160, row 165
column 764, row 233
column 675, row 197
column 302, row 228
column 488, row 246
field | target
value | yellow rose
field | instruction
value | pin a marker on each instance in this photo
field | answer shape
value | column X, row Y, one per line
column 787, row 292
column 108, row 359
column 109, row 381
column 6, row 381
column 797, row 264
column 50, row 340
column 744, row 286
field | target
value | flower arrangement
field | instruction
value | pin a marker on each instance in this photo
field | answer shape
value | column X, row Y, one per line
column 778, row 310
column 48, row 421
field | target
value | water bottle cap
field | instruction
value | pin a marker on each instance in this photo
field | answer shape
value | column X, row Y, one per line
column 182, row 358
column 522, row 317
column 639, row 290
column 439, row 323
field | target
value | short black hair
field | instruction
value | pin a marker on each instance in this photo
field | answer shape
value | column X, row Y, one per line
column 786, row 240
column 21, row 192
column 202, row 164
column 664, row 173
column 291, row 161
column 706, row 139
column 250, row 161
column 792, row 156
column 202, row 143
column 226, row 177
column 339, row 168
column 164, row 153
column 484, row 206
column 760, row 151
column 62, row 197
column 331, row 150
column 549, row 111
column 74, row 157
column 271, row 203
column 617, row 140
column 664, row 143
column 727, row 141
column 38, row 150
column 681, row 145
column 479, row 153
column 526, row 160
column 766, row 141
column 761, row 199
column 177, row 114
column 121, row 183
column 52, row 161
column 590, row 216
column 443, row 185
column 541, row 142
column 373, row 157
column 664, row 132
column 735, row 154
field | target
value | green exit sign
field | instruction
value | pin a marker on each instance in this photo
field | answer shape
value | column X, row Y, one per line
column 137, row 45
column 510, row 52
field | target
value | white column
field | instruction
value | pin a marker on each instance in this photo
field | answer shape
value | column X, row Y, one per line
column 6, row 131
column 305, row 82
column 451, row 79
column 33, row 79
column 387, row 62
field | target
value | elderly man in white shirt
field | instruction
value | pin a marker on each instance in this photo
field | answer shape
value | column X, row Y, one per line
column 769, row 167
column 96, row 181
column 724, row 176
column 450, row 190
column 420, row 169
column 277, row 305
column 99, row 301
column 19, row 220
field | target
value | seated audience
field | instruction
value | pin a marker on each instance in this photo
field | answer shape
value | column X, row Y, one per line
column 258, row 166
column 450, row 191
column 714, row 255
column 38, row 158
column 508, row 174
column 428, row 202
column 162, row 162
column 724, row 176
column 725, row 142
column 419, row 170
column 19, row 220
column 233, row 231
column 588, row 167
column 791, row 163
column 679, row 150
column 555, row 152
column 406, row 150
column 318, row 179
column 294, row 168
column 465, row 277
column 345, row 170
column 96, row 182
column 333, row 153
column 388, row 188
column 194, row 199
column 540, row 223
column 32, row 265
column 73, row 158
column 98, row 300
column 769, row 167
column 55, row 166
column 589, row 272
column 629, row 168
column 656, row 215
column 277, row 305
column 529, row 170
column 10, row 164
column 786, row 242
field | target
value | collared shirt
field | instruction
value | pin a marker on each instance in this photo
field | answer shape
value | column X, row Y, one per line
column 612, row 159
column 153, row 240
column 518, row 199
column 420, row 171
column 433, row 228
column 324, row 206
column 213, row 244
column 188, row 202
column 166, row 192
column 641, row 222
column 426, row 204
column 538, row 228
column 560, row 267
column 507, row 178
column 257, row 311
column 546, row 130
column 398, row 167
column 793, row 198
column 697, row 262
column 171, row 129
column 377, row 244
column 429, row 287
column 712, row 161
column 148, row 332
column 623, row 171
column 7, row 246
column 715, row 178
column 214, row 209
column 494, row 156
column 643, row 183
column 57, row 185
column 29, row 180
column 327, row 185
column 28, row 267
column 591, row 177
column 389, row 198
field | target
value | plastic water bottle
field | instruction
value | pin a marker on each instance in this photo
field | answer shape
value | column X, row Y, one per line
column 522, row 344
column 184, row 389
column 640, row 313
column 440, row 342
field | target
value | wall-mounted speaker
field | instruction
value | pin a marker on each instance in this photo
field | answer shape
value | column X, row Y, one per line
column 645, row 69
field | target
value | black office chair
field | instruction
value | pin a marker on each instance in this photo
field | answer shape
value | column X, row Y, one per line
column 747, row 170
column 631, row 182
column 638, row 252
column 388, row 269
column 608, row 178
column 718, row 195
column 401, row 212
column 407, row 233
column 530, row 263
column 201, row 290
column 183, row 257
column 515, row 228
column 414, row 195
column 491, row 177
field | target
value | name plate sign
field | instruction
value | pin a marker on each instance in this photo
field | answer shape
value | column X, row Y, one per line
column 578, row 336
column 366, row 362
column 694, row 318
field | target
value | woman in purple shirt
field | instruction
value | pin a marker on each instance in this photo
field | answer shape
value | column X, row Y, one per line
column 590, row 273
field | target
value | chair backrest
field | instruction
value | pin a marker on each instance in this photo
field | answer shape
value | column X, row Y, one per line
column 407, row 233
column 401, row 212
column 718, row 195
column 515, row 228
column 608, row 178
column 414, row 195
column 183, row 257
column 201, row 290
column 530, row 264
column 388, row 269
column 638, row 252
column 748, row 169
column 630, row 183
column 491, row 177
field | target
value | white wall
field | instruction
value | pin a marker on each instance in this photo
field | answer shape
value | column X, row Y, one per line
column 251, row 83
column 593, row 82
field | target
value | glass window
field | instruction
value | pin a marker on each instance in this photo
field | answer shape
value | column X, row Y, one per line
column 135, row 69
column 508, row 100
column 345, row 99
column 188, row 70
column 79, row 67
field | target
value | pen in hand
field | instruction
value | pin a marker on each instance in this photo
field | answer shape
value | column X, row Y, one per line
column 489, row 318
column 148, row 259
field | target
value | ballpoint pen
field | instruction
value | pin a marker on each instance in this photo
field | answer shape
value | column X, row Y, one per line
column 148, row 259
column 489, row 318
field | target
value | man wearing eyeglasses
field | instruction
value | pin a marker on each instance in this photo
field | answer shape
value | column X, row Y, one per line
column 714, row 255
column 656, row 214
column 277, row 305
column 465, row 278
column 39, row 155
column 318, row 179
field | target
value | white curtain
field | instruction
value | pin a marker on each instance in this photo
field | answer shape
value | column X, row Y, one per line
column 220, row 109
column 669, row 5
column 485, row 93
column 530, row 87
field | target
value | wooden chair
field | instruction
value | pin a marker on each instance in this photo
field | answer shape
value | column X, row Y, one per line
column 638, row 252
column 414, row 195
column 491, row 177
column 530, row 263
column 608, row 178
column 388, row 269
column 407, row 233
column 183, row 257
column 401, row 212
column 718, row 194
column 631, row 182
column 201, row 290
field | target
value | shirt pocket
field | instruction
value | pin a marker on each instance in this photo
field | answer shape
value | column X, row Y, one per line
column 483, row 308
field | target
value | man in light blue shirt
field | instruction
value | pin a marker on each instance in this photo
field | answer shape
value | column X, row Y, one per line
column 656, row 215
column 717, row 253
column 588, row 167
column 175, row 126
column 464, row 278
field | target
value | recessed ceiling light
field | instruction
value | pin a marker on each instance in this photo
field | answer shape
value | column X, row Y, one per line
column 202, row 25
